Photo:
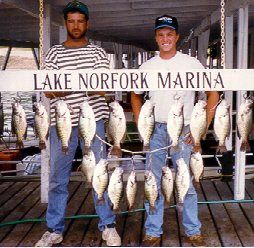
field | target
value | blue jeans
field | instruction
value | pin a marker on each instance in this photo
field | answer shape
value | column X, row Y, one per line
column 153, row 224
column 60, row 170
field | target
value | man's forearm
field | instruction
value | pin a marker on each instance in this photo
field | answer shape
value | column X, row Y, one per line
column 212, row 100
column 136, row 103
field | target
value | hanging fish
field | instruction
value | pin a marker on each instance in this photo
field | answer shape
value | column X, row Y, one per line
column 244, row 123
column 222, row 124
column 167, row 183
column 116, row 127
column 196, row 166
column 175, row 123
column 41, row 124
column 87, row 125
column 131, row 189
column 151, row 190
column 88, row 165
column 100, row 179
column 63, row 124
column 115, row 188
column 146, row 123
column 198, row 123
column 19, row 123
column 182, row 180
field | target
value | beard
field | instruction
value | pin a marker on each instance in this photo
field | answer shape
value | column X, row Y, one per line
column 76, row 35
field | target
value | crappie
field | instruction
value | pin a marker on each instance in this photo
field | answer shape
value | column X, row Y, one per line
column 88, row 165
column 182, row 180
column 87, row 125
column 116, row 127
column 175, row 122
column 196, row 166
column 63, row 124
column 41, row 124
column 244, row 123
column 131, row 189
column 167, row 183
column 146, row 123
column 100, row 178
column 19, row 124
column 198, row 123
column 222, row 124
column 115, row 188
column 151, row 190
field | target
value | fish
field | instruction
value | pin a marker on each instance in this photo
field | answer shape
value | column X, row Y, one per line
column 19, row 123
column 116, row 128
column 175, row 123
column 146, row 123
column 244, row 123
column 198, row 124
column 87, row 125
column 131, row 189
column 151, row 190
column 182, row 180
column 41, row 124
column 115, row 188
column 100, row 179
column 63, row 124
column 167, row 183
column 222, row 124
column 88, row 165
column 196, row 166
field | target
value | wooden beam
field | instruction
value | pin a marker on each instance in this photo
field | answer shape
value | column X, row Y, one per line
column 16, row 43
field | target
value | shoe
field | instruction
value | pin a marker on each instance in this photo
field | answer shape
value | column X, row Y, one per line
column 111, row 237
column 48, row 239
column 196, row 240
column 150, row 241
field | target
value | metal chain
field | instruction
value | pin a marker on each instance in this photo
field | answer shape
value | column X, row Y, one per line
column 222, row 23
column 41, row 35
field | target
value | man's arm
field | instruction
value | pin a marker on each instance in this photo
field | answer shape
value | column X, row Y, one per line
column 212, row 100
column 136, row 103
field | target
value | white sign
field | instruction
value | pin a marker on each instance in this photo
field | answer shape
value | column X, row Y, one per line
column 126, row 80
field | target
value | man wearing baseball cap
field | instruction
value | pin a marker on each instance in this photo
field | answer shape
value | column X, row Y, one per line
column 166, row 36
column 74, row 54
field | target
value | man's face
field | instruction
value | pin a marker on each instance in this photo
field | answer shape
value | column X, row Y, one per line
column 76, row 25
column 166, row 39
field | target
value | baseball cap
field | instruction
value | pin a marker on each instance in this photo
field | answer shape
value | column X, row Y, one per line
column 166, row 21
column 76, row 6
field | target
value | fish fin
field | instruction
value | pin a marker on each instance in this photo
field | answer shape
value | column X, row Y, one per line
column 146, row 148
column 197, row 148
column 42, row 145
column 65, row 149
column 86, row 150
column 221, row 149
column 25, row 135
column 245, row 146
column 124, row 137
column 19, row 144
column 79, row 168
column 116, row 151
column 238, row 133
column 152, row 210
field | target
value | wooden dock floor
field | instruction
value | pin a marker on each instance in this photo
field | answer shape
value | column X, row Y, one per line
column 229, row 224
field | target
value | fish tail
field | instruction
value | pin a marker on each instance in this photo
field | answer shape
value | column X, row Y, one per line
column 146, row 148
column 19, row 144
column 65, row 149
column 197, row 148
column 116, row 210
column 42, row 145
column 245, row 146
column 86, row 150
column 221, row 149
column 116, row 150
column 100, row 201
column 152, row 210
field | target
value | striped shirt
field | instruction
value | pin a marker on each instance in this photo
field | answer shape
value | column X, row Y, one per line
column 87, row 57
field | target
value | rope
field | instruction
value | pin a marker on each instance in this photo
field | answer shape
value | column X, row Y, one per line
column 93, row 216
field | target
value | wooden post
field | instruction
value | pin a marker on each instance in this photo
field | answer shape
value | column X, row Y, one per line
column 242, row 59
column 118, row 49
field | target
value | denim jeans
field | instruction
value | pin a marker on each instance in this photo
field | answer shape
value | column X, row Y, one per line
column 60, row 170
column 190, row 221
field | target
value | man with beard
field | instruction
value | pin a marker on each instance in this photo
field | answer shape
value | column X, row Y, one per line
column 74, row 54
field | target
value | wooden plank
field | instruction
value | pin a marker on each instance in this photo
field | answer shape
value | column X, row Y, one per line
column 247, row 208
column 224, row 226
column 38, row 229
column 171, row 233
column 241, row 225
column 21, row 209
column 132, row 236
column 208, row 228
column 4, row 186
column 250, row 188
column 12, row 203
column 14, row 189
column 80, row 204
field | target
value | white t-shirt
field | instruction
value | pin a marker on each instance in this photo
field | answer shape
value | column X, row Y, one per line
column 164, row 99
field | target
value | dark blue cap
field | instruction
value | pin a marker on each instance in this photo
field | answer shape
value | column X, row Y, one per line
column 76, row 6
column 166, row 21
